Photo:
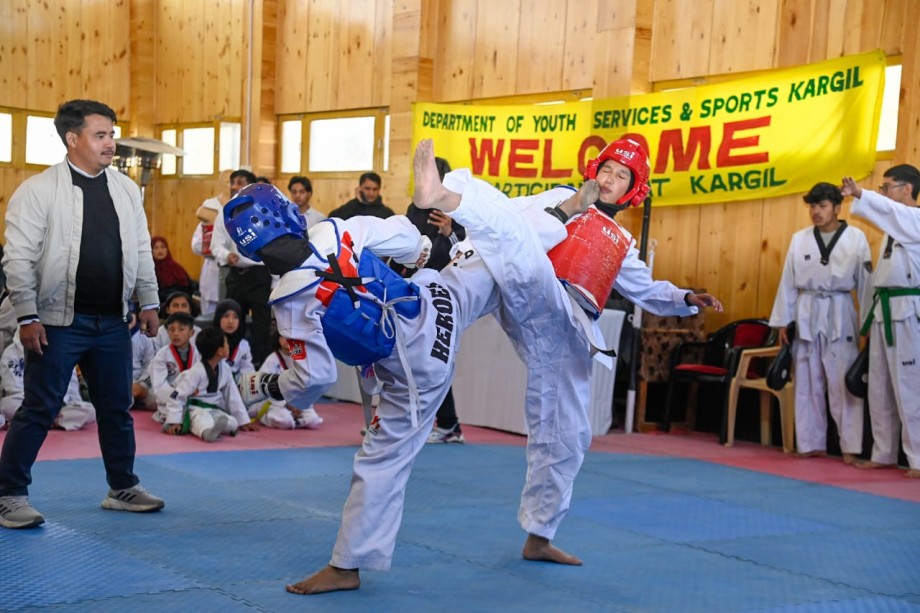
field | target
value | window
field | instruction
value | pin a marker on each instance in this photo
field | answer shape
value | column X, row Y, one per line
column 291, row 144
column 198, row 144
column 339, row 142
column 6, row 137
column 888, row 122
column 208, row 148
column 168, row 163
column 343, row 144
column 229, row 154
column 43, row 145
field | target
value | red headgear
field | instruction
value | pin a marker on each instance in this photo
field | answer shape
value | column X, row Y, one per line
column 631, row 154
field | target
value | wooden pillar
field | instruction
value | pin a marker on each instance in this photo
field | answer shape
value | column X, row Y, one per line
column 413, row 47
column 907, row 150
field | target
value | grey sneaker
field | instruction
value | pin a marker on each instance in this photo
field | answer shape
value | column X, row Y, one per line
column 135, row 499
column 16, row 512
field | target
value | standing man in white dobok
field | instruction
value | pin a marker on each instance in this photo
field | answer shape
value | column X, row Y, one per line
column 894, row 367
column 824, row 264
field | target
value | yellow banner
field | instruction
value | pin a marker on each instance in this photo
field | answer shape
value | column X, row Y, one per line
column 759, row 137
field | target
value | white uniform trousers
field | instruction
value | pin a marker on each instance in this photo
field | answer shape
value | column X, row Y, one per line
column 202, row 420
column 894, row 392
column 820, row 367
column 373, row 511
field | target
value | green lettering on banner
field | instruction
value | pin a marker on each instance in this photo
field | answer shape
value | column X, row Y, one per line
column 735, row 181
column 822, row 85
column 563, row 122
column 457, row 122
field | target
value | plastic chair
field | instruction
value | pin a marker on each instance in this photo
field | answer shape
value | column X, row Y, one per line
column 785, row 397
column 720, row 355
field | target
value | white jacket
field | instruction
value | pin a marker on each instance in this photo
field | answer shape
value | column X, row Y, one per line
column 44, row 228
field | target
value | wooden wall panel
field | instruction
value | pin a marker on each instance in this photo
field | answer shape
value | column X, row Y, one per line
column 201, row 57
column 578, row 51
column 541, row 47
column 355, row 76
column 497, row 48
column 322, row 49
column 682, row 39
column 290, row 72
column 743, row 35
column 453, row 72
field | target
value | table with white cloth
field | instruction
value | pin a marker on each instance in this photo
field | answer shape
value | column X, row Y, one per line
column 491, row 379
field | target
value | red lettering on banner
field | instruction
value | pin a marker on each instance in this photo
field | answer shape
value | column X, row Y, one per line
column 488, row 151
column 725, row 158
column 548, row 171
column 519, row 155
column 672, row 141
column 592, row 142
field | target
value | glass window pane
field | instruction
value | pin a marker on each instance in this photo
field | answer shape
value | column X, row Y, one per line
column 291, row 145
column 6, row 137
column 168, row 166
column 342, row 144
column 43, row 145
column 888, row 123
column 229, row 146
column 198, row 144
column 386, row 143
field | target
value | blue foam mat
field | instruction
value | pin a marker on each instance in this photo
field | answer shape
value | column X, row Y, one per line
column 656, row 534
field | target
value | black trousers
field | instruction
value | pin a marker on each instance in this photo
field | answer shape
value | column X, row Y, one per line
column 251, row 287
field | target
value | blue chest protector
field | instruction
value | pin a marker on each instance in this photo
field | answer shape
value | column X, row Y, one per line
column 360, row 327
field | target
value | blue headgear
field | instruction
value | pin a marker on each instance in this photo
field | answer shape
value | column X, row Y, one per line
column 259, row 214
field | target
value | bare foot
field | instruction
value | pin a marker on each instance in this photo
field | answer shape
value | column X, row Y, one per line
column 870, row 464
column 913, row 473
column 429, row 193
column 540, row 549
column 329, row 579
column 586, row 196
column 812, row 454
column 850, row 459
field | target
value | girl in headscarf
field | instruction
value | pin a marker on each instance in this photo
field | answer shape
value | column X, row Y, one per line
column 171, row 277
column 228, row 316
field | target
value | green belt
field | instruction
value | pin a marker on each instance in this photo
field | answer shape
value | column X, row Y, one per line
column 187, row 418
column 885, row 294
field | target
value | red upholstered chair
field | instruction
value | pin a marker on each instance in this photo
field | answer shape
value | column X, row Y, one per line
column 714, row 361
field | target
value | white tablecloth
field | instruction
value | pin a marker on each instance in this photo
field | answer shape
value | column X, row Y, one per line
column 491, row 379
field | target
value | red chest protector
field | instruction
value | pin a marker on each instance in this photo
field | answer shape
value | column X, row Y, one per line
column 589, row 259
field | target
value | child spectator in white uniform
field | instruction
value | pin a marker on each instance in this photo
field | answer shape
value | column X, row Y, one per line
column 176, row 357
column 142, row 354
column 76, row 412
column 228, row 318
column 176, row 302
column 277, row 413
column 206, row 401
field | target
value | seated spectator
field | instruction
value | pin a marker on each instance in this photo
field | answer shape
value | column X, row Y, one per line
column 206, row 401
column 171, row 277
column 228, row 318
column 142, row 352
column 76, row 412
column 175, row 358
column 277, row 413
column 176, row 302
